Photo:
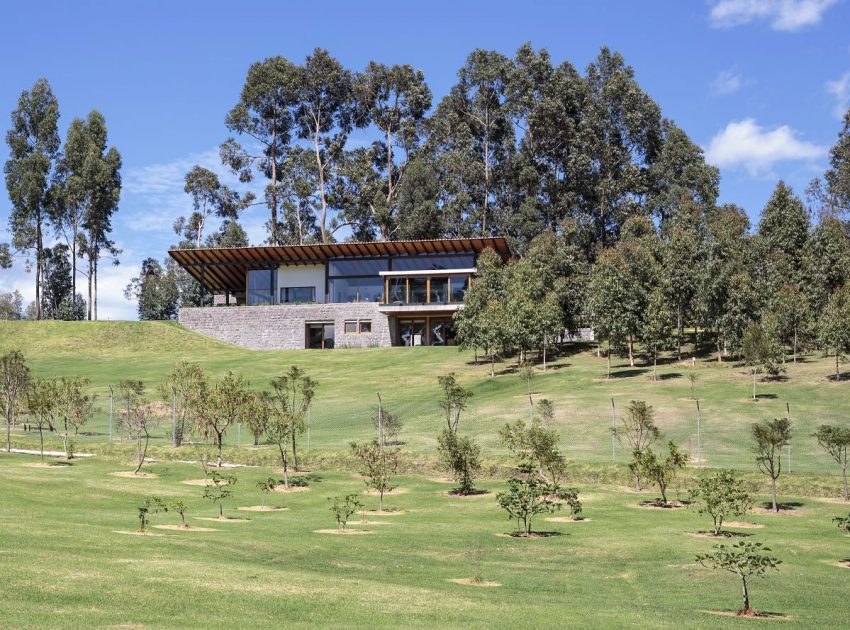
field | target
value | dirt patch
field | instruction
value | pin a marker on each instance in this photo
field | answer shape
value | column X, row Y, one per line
column 660, row 505
column 566, row 519
column 186, row 528
column 291, row 489
column 129, row 474
column 441, row 480
column 261, row 508
column 383, row 512
column 456, row 494
column 722, row 534
column 223, row 519
column 366, row 522
column 118, row 531
column 198, row 482
column 342, row 532
column 838, row 500
column 782, row 511
column 53, row 465
column 743, row 525
column 474, row 582
column 394, row 492
column 843, row 564
column 751, row 614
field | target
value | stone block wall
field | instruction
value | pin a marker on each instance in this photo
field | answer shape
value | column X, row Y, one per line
column 284, row 327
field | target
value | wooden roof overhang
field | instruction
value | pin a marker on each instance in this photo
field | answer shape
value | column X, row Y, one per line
column 223, row 268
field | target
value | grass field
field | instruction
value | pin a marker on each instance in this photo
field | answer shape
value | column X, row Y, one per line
column 64, row 562
column 106, row 352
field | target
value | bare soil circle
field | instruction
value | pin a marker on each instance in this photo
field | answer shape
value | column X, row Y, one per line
column 136, row 533
column 395, row 491
column 197, row 482
column 342, row 532
column 223, row 519
column 748, row 615
column 261, row 508
column 383, row 512
column 291, row 489
column 567, row 519
column 186, row 528
column 474, row 582
column 129, row 474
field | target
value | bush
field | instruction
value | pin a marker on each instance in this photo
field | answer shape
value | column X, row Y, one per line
column 527, row 496
column 720, row 496
column 344, row 507
column 460, row 456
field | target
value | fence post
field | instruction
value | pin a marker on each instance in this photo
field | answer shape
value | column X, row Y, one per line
column 613, row 433
column 788, row 412
column 699, row 443
column 173, row 418
column 111, row 397
column 380, row 424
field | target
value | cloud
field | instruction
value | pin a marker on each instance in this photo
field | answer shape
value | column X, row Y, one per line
column 840, row 89
column 746, row 144
column 782, row 15
column 727, row 82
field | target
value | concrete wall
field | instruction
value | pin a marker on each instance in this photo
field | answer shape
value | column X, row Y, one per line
column 284, row 327
column 302, row 276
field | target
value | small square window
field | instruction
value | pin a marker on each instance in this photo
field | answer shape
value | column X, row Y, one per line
column 350, row 328
column 366, row 326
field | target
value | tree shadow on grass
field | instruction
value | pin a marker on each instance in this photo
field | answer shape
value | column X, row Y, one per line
column 670, row 376
column 843, row 377
column 627, row 373
column 544, row 534
column 765, row 397
column 724, row 533
column 787, row 506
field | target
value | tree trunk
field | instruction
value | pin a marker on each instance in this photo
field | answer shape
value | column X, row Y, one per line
column 8, row 435
column 837, row 371
column 41, row 441
column 275, row 235
column 754, row 383
column 608, row 375
column 94, row 290
column 795, row 345
column 294, row 453
column 746, row 594
column 218, row 450
column 138, row 454
column 844, row 477
column 39, row 254
column 631, row 351
column 679, row 331
column 773, row 489
column 322, row 197
column 486, row 173
column 89, row 305
column 655, row 365
column 283, row 462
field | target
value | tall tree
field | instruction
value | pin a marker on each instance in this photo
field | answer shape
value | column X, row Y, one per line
column 33, row 150
column 473, row 136
column 610, row 305
column 209, row 198
column 833, row 193
column 395, row 100
column 155, row 290
column 264, row 114
column 826, row 264
column 834, row 326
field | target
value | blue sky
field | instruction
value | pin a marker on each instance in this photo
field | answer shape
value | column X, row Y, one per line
column 760, row 84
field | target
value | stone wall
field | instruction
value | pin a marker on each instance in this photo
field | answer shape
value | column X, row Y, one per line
column 284, row 327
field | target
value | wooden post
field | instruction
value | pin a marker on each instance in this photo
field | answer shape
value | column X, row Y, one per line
column 380, row 424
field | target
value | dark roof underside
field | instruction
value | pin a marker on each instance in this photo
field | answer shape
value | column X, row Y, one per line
column 224, row 268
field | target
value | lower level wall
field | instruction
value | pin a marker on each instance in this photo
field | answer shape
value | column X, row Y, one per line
column 284, row 327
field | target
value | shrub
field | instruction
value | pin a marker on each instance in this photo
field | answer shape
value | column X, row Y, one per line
column 744, row 559
column 720, row 496
column 461, row 457
column 152, row 505
column 343, row 508
column 527, row 496
column 219, row 490
column 662, row 472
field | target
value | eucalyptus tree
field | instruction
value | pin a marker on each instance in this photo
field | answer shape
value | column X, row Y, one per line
column 794, row 315
column 638, row 431
column 655, row 329
column 610, row 305
column 833, row 192
column 34, row 145
column 826, row 264
column 395, row 99
column 419, row 216
column 155, row 290
column 834, row 327
column 74, row 407
column 209, row 198
column 263, row 114
column 473, row 138
column 769, row 438
column 835, row 441
column 619, row 137
column 14, row 380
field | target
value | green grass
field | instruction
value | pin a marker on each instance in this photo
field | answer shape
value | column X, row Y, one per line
column 62, row 564
column 106, row 352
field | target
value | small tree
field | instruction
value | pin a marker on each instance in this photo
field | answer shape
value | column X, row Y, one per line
column 692, row 379
column 527, row 496
column 220, row 406
column 41, row 401
column 637, row 431
column 760, row 351
column 460, row 456
column 14, row 380
column 73, row 407
column 537, row 447
column 454, row 400
column 720, row 496
column 843, row 523
column 746, row 560
column 292, row 393
column 219, row 490
column 181, row 388
column 181, row 507
column 258, row 415
column 266, row 487
column 343, row 508
column 662, row 472
column 836, row 442
column 391, row 424
column 769, row 438
column 138, row 420
column 152, row 505
column 379, row 465
column 656, row 326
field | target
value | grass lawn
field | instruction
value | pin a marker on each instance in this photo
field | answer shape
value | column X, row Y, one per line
column 106, row 352
column 64, row 564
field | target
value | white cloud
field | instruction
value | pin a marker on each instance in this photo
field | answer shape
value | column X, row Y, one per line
column 746, row 144
column 727, row 82
column 840, row 89
column 782, row 15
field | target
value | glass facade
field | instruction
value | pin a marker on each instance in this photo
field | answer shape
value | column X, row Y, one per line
column 433, row 262
column 357, row 290
column 297, row 295
column 261, row 286
column 459, row 287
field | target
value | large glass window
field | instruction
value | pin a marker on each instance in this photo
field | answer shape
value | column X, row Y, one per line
column 297, row 295
column 418, row 290
column 343, row 290
column 439, row 290
column 261, row 286
column 370, row 290
column 398, row 291
column 459, row 285
column 425, row 263
column 358, row 266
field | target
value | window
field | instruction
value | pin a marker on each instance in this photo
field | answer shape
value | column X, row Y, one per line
column 357, row 290
column 365, row 326
column 261, row 286
column 370, row 290
column 343, row 290
column 426, row 263
column 320, row 336
column 296, row 295
column 418, row 290
column 350, row 328
column 439, row 290
column 459, row 286
column 398, row 291
column 357, row 267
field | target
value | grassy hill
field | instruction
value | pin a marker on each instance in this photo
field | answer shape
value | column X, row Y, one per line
column 406, row 378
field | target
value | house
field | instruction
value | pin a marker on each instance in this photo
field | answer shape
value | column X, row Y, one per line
column 334, row 295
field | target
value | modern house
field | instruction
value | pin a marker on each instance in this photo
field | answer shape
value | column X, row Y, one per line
column 334, row 295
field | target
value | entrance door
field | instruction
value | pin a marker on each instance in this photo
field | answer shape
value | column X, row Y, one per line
column 442, row 332
column 320, row 336
column 412, row 332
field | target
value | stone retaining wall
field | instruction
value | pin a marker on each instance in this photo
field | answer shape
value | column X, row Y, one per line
column 284, row 327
